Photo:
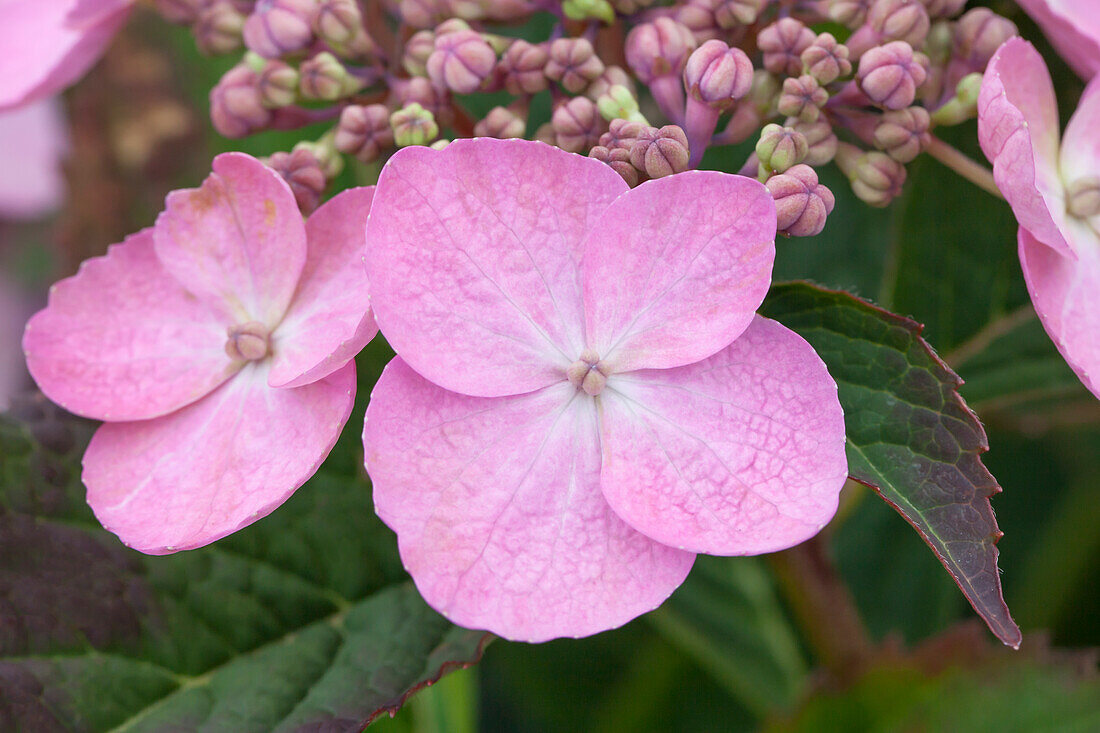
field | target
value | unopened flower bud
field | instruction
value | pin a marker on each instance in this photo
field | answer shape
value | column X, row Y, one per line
column 780, row 148
column 619, row 103
column 619, row 160
column 612, row 76
column 413, row 125
column 802, row 204
column 1083, row 197
column 659, row 48
column 302, row 172
column 236, row 107
column 364, row 132
column 501, row 123
column 427, row 95
column 978, row 35
column 522, row 68
column 782, row 44
column 698, row 17
column 577, row 125
column 899, row 20
column 324, row 77
column 662, row 153
column 218, row 28
column 461, row 61
column 938, row 9
column 819, row 136
column 589, row 9
column 573, row 63
column 718, row 75
column 278, row 84
column 876, row 178
column 826, row 60
column 622, row 133
column 732, row 13
column 339, row 23
column 889, row 75
column 248, row 341
column 417, row 50
column 802, row 98
column 280, row 27
column 544, row 133
column 850, row 13
column 902, row 134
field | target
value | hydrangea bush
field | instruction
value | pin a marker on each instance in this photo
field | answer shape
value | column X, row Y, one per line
column 559, row 223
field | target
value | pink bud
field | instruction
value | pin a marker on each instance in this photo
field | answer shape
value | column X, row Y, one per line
column 661, row 153
column 619, row 160
column 573, row 63
column 522, row 68
column 876, row 178
column 364, row 132
column 801, row 203
column 339, row 23
column 802, row 98
column 324, row 77
column 782, row 43
column 899, row 20
column 279, row 27
column 698, row 17
column 717, row 74
column 417, row 50
column 978, row 35
column 577, row 125
column 659, row 48
column 889, row 75
column 621, row 134
column 278, row 84
column 420, row 91
column 819, row 136
column 902, row 134
column 943, row 8
column 461, row 61
column 611, row 76
column 826, row 60
column 730, row 14
column 501, row 123
column 780, row 148
column 236, row 107
column 850, row 13
column 218, row 28
column 302, row 171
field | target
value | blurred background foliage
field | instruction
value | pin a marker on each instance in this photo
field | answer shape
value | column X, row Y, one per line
column 725, row 653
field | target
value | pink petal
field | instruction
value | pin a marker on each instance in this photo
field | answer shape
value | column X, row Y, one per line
column 1066, row 295
column 1073, row 26
column 330, row 320
column 740, row 454
column 238, row 241
column 1081, row 143
column 1018, row 131
column 42, row 50
column 33, row 140
column 473, row 260
column 498, row 512
column 676, row 269
column 121, row 340
column 199, row 474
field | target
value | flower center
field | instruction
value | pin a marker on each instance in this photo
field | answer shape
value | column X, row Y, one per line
column 248, row 341
column 588, row 373
column 1083, row 197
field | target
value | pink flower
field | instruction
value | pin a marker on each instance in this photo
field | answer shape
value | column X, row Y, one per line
column 217, row 347
column 33, row 140
column 1073, row 26
column 583, row 396
column 1054, row 190
column 46, row 45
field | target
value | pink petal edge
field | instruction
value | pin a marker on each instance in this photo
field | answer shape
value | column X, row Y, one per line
column 498, row 512
column 330, row 319
column 474, row 260
column 1073, row 26
column 739, row 454
column 676, row 269
column 122, row 340
column 203, row 472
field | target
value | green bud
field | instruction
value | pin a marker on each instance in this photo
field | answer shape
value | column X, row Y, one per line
column 413, row 125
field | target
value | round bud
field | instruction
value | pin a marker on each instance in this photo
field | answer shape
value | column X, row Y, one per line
column 338, row 22
column 306, row 178
column 938, row 9
column 280, row 27
column 622, row 133
column 323, row 77
column 278, row 84
column 730, row 14
column 826, row 60
column 577, row 125
column 978, row 35
column 902, row 134
column 413, row 125
column 218, row 28
column 802, row 204
column 802, row 98
column 780, row 148
column 236, row 107
column 364, row 132
column 782, row 44
column 573, row 63
column 820, row 138
column 619, row 160
column 461, row 61
column 850, row 13
column 661, row 152
column 417, row 50
column 717, row 74
column 899, row 20
column 501, row 123
column 522, row 68
column 889, row 75
column 877, row 178
column 418, row 89
column 658, row 48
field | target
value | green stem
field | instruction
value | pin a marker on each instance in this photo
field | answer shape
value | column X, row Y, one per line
column 969, row 169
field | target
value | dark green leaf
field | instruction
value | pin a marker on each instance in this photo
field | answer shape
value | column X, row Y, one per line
column 911, row 437
column 304, row 621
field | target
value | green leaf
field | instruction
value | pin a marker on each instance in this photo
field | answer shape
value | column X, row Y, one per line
column 911, row 437
column 305, row 620
column 728, row 618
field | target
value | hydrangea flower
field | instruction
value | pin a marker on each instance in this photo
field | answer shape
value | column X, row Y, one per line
column 1073, row 26
column 583, row 397
column 1054, row 190
column 217, row 347
column 46, row 45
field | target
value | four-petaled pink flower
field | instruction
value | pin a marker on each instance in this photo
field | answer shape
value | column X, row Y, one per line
column 1073, row 26
column 217, row 347
column 1054, row 191
column 583, row 396
column 46, row 45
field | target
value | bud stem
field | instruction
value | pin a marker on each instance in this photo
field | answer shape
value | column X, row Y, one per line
column 699, row 124
column 969, row 169
column 668, row 93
